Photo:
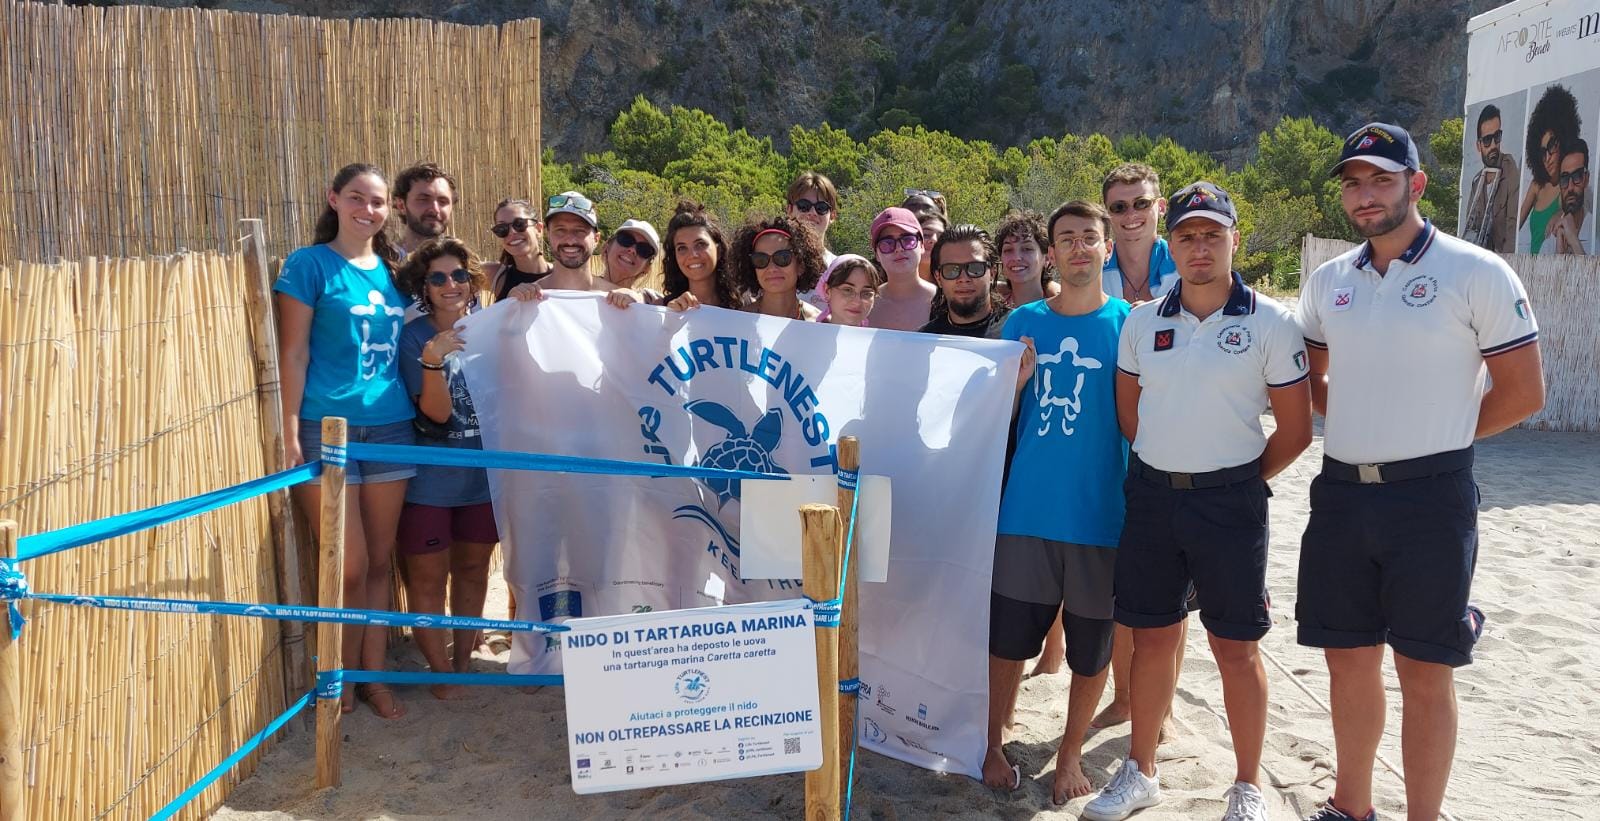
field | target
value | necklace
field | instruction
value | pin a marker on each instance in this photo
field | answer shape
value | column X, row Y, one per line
column 1131, row 291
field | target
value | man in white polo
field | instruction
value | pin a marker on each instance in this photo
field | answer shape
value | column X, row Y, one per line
column 1401, row 333
column 1194, row 370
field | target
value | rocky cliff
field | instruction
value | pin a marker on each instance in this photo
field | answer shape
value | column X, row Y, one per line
column 1210, row 73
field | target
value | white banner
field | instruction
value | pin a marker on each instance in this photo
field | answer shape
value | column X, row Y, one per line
column 575, row 376
column 684, row 696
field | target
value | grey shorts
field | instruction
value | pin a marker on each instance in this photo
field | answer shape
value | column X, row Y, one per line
column 1041, row 571
column 357, row 472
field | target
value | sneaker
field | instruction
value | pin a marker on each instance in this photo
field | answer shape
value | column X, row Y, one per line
column 1128, row 791
column 1331, row 813
column 1245, row 803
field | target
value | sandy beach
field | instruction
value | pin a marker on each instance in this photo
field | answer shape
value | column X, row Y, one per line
column 1523, row 752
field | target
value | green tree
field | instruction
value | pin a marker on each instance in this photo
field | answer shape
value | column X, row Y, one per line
column 828, row 150
column 1441, row 202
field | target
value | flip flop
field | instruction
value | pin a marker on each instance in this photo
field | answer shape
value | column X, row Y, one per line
column 1016, row 777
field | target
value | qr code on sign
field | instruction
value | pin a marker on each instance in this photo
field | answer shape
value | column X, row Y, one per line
column 791, row 746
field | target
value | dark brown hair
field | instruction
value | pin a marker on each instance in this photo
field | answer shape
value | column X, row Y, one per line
column 691, row 214
column 802, row 240
column 327, row 227
column 965, row 232
column 812, row 179
column 1082, row 209
column 841, row 274
column 422, row 172
column 507, row 261
column 413, row 275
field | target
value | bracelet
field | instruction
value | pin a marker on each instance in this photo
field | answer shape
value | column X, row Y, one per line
column 427, row 367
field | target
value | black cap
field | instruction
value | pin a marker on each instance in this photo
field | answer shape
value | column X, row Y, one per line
column 1202, row 199
column 1386, row 146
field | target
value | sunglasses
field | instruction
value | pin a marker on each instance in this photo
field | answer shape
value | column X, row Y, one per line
column 1138, row 204
column 520, row 225
column 973, row 270
column 439, row 279
column 1575, row 176
column 886, row 245
column 806, row 206
column 626, row 239
column 925, row 192
column 1492, row 138
column 579, row 202
column 778, row 258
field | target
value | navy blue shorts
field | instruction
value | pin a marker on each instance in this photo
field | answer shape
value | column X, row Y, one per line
column 1214, row 539
column 1392, row 562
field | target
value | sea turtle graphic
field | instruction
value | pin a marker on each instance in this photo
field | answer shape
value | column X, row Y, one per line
column 742, row 450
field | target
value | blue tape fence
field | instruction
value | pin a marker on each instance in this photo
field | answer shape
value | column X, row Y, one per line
column 14, row 585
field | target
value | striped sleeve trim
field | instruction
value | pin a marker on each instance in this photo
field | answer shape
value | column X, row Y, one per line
column 1315, row 343
column 1295, row 381
column 1514, row 344
column 1128, row 372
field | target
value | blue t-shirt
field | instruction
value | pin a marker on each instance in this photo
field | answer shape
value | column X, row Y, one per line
column 355, row 336
column 1163, row 272
column 1066, row 477
column 439, row 485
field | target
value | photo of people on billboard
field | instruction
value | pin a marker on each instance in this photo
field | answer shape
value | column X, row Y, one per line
column 1556, row 214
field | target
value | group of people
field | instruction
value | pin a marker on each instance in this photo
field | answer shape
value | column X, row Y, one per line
column 1138, row 465
column 1556, row 207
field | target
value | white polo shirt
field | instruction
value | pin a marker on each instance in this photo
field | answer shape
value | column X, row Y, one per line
column 1203, row 382
column 1406, row 349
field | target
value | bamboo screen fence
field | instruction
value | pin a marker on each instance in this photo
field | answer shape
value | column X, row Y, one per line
column 132, row 130
column 125, row 384
column 1564, row 291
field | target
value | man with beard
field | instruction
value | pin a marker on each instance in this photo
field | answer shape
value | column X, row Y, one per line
column 573, row 231
column 424, row 197
column 1571, row 229
column 1056, row 546
column 1401, row 333
column 1195, row 368
column 1492, row 200
column 966, row 304
column 1141, row 268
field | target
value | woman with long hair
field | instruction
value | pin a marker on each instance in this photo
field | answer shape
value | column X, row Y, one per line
column 339, row 322
column 447, row 530
column 775, row 261
column 521, row 235
column 850, row 285
column 695, row 265
column 1552, row 127
column 1024, row 271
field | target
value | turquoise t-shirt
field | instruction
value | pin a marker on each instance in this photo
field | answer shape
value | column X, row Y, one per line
column 1066, row 477
column 357, row 314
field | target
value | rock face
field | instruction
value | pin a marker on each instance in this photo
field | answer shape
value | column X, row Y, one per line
column 1210, row 73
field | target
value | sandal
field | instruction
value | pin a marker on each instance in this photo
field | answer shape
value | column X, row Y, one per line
column 371, row 692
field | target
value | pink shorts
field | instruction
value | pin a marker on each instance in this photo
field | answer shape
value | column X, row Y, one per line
column 429, row 529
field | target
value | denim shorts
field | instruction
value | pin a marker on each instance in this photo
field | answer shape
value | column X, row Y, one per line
column 363, row 472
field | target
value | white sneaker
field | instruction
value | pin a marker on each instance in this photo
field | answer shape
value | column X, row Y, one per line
column 1128, row 791
column 1245, row 803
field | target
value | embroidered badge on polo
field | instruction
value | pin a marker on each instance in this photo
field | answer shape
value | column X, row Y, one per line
column 1342, row 298
column 1420, row 291
column 1234, row 339
column 1521, row 307
column 1164, row 340
column 1300, row 360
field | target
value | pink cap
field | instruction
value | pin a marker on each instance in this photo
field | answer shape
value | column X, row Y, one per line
column 899, row 218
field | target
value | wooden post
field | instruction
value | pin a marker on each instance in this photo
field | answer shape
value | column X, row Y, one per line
column 819, row 534
column 10, row 700
column 849, row 619
column 330, row 593
column 269, row 405
column 536, row 79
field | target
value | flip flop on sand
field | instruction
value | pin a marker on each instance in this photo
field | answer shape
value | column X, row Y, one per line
column 372, row 692
column 1016, row 777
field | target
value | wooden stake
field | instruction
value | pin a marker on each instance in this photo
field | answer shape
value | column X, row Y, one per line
column 330, row 593
column 10, row 700
column 819, row 535
column 849, row 636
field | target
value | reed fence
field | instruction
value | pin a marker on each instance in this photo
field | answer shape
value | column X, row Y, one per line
column 1564, row 291
column 125, row 384
column 132, row 130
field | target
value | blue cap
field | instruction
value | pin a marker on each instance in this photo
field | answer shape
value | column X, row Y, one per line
column 1386, row 146
column 1202, row 199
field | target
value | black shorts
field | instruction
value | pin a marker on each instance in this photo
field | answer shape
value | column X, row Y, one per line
column 1212, row 538
column 1392, row 562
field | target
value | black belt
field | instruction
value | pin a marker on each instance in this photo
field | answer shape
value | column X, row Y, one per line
column 1404, row 470
column 1196, row 481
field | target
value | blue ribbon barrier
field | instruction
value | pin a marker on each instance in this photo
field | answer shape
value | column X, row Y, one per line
column 331, row 682
column 228, row 763
column 55, row 541
column 333, row 455
column 826, row 613
column 13, row 587
column 294, row 612
column 511, row 460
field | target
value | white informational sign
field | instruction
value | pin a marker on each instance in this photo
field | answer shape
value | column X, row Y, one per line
column 769, row 525
column 1532, row 125
column 575, row 376
column 684, row 696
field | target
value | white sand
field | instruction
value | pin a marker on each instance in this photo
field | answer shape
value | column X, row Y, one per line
column 1530, row 710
